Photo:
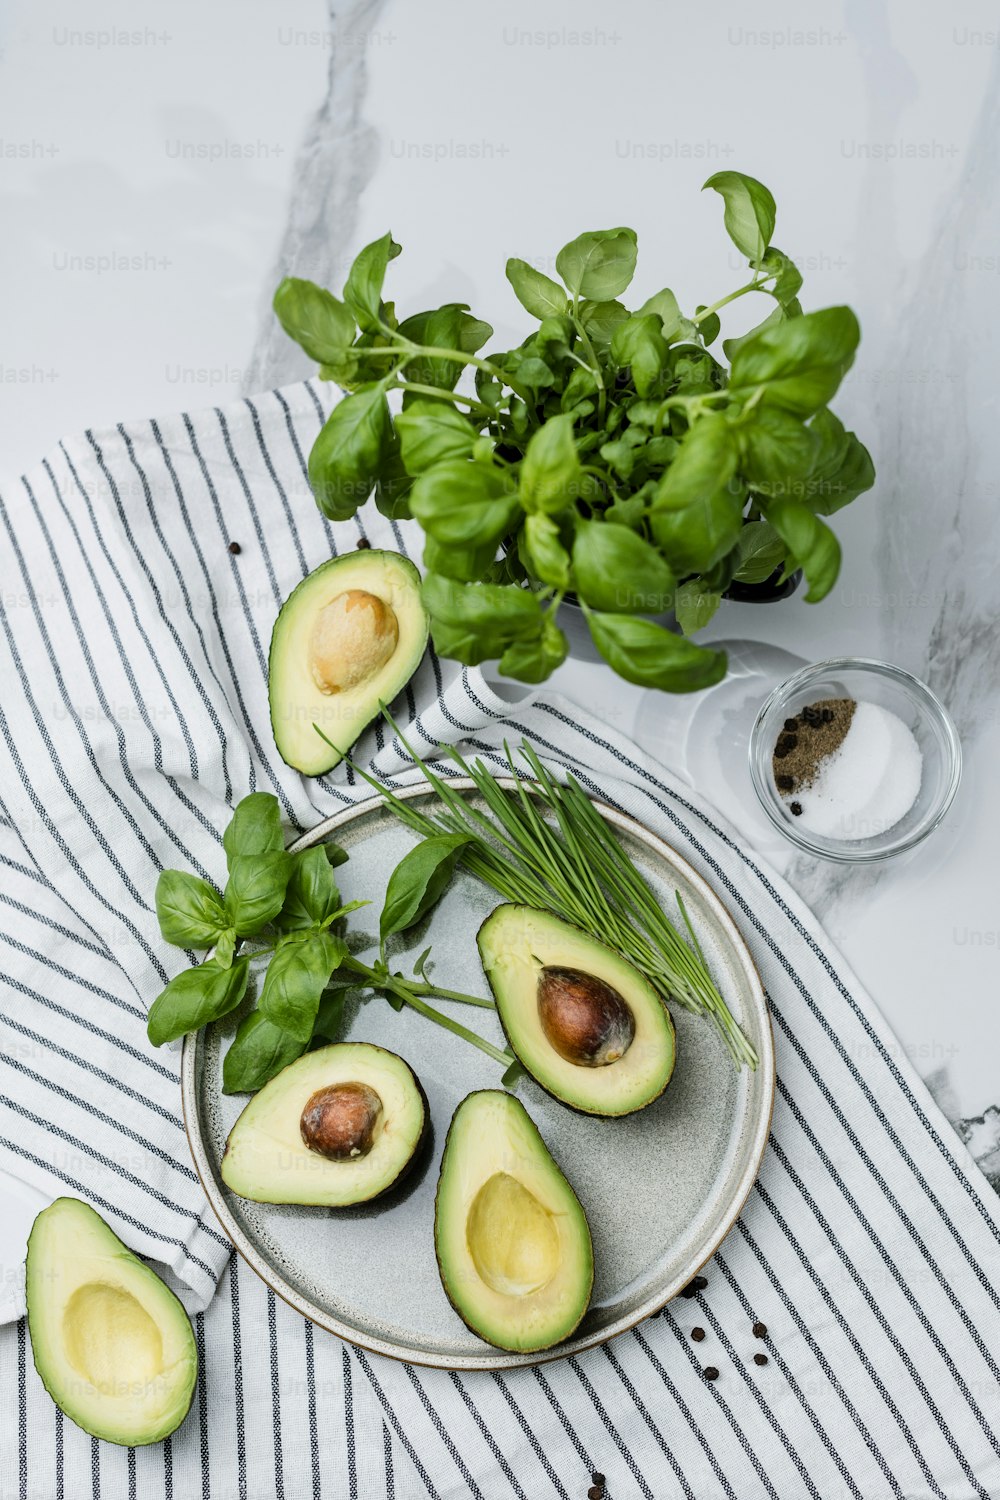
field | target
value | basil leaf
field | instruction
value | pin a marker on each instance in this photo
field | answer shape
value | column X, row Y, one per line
column 639, row 344
column 644, row 653
column 225, row 949
column 617, row 570
column 464, row 504
column 698, row 507
column 599, row 264
column 471, row 622
column 195, row 997
column 549, row 476
column 465, row 564
column 662, row 305
column 349, row 452
column 315, row 319
column 811, row 545
column 544, row 552
column 419, row 881
column 694, row 604
column 843, row 468
column 539, row 294
column 254, row 828
column 778, row 451
column 189, row 910
column 311, row 894
column 363, row 288
column 709, row 327
column 787, row 281
column 394, row 483
column 600, row 319
column 535, row 660
column 447, row 327
column 797, row 364
column 259, row 1051
column 730, row 346
column 255, row 890
column 759, row 552
column 430, row 431
column 749, row 212
column 296, row 978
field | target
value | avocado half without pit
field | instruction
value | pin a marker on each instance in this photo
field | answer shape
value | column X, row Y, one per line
column 584, row 1023
column 348, row 638
column 512, row 1240
column 341, row 1125
column 111, row 1342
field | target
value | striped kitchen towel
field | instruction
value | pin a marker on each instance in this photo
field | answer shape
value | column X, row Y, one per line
column 144, row 567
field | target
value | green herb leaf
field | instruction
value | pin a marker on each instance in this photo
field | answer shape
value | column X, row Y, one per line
column 695, row 604
column 787, row 281
column 549, row 476
column 430, row 431
column 600, row 264
column 535, row 660
column 749, row 212
column 544, row 552
column 189, row 910
column 639, row 344
column 811, row 545
column 349, row 453
column 643, row 652
column 363, row 289
column 618, row 571
column 600, row 319
column 447, row 327
column 797, row 364
column 296, row 978
column 225, row 949
column 256, row 890
column 778, row 450
column 538, row 293
column 698, row 507
column 315, row 319
column 471, row 622
column 394, row 483
column 662, row 305
column 464, row 564
column 759, row 552
column 259, row 1051
column 843, row 468
column 419, row 881
column 195, row 997
column 463, row 503
column 311, row 894
column 254, row 828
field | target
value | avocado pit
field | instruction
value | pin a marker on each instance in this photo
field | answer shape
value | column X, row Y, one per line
column 584, row 1018
column 340, row 1121
column 353, row 637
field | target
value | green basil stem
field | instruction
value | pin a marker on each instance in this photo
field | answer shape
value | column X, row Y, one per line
column 438, row 394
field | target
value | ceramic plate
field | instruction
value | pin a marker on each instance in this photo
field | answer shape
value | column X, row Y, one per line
column 661, row 1188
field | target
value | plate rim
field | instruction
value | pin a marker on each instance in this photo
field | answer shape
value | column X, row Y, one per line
column 499, row 1359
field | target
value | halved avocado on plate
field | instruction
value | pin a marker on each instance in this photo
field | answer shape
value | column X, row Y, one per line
column 513, row 1244
column 111, row 1342
column 340, row 1125
column 347, row 640
column 584, row 1023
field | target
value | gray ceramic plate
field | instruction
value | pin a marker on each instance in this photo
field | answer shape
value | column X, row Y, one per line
column 661, row 1188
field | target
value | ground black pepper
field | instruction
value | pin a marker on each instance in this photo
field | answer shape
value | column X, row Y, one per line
column 797, row 757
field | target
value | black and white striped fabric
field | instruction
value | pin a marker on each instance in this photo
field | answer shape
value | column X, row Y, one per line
column 133, row 711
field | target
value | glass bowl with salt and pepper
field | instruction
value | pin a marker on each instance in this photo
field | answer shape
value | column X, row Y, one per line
column 854, row 760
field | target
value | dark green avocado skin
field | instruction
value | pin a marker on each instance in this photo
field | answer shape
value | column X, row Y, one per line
column 535, row 1077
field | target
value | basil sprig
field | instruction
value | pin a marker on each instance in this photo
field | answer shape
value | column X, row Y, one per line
column 604, row 421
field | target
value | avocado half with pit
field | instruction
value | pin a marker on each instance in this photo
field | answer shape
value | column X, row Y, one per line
column 347, row 640
column 584, row 1023
column 340, row 1125
column 111, row 1342
column 512, row 1240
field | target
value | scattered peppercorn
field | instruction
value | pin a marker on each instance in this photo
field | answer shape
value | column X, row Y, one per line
column 784, row 783
column 795, row 808
column 695, row 1285
column 598, row 1477
column 596, row 1492
column 791, row 725
column 710, row 1372
column 760, row 1330
column 760, row 1359
column 697, row 1334
column 364, row 544
column 235, row 548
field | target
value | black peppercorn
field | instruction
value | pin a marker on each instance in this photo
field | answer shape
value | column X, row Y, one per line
column 795, row 808
column 235, row 548
column 760, row 1330
column 364, row 544
column 697, row 1334
column 710, row 1372
column 760, row 1359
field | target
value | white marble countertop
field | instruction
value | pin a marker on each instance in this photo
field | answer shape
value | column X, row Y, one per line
column 161, row 171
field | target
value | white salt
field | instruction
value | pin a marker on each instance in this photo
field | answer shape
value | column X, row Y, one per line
column 869, row 782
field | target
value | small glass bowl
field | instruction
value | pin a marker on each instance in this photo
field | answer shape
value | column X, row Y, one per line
column 893, row 689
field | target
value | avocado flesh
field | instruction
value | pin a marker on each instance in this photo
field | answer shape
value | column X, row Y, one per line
column 515, row 943
column 513, row 1243
column 297, row 701
column 267, row 1160
column 111, row 1342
